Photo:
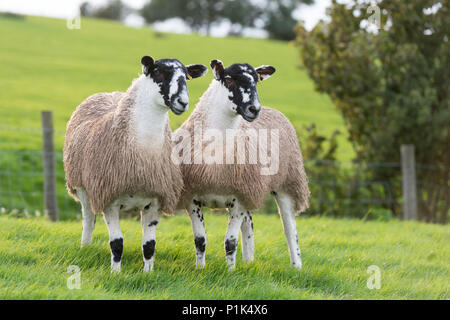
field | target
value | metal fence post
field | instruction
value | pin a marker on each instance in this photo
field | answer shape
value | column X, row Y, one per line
column 48, row 156
column 409, row 182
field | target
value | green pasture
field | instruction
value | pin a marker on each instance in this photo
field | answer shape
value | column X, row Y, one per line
column 412, row 258
column 44, row 65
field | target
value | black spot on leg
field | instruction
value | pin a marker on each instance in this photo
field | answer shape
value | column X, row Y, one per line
column 116, row 249
column 121, row 206
column 197, row 203
column 149, row 249
column 153, row 223
column 147, row 206
column 230, row 246
column 200, row 244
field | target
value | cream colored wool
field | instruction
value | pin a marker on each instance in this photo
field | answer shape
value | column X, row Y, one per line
column 102, row 156
column 245, row 180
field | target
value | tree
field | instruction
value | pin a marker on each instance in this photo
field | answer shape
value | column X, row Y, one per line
column 278, row 18
column 276, row 15
column 199, row 14
column 113, row 10
column 390, row 86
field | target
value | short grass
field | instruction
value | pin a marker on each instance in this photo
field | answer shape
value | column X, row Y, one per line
column 44, row 65
column 413, row 258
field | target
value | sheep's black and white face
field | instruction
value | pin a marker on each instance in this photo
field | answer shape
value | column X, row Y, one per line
column 240, row 80
column 170, row 76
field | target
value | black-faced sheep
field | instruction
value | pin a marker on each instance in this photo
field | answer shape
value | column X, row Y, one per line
column 216, row 173
column 117, row 153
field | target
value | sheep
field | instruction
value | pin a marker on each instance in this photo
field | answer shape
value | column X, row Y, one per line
column 117, row 153
column 220, row 180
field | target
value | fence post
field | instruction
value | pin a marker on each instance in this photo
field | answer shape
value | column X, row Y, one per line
column 409, row 182
column 48, row 156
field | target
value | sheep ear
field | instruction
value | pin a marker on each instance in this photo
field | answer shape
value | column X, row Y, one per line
column 265, row 72
column 217, row 67
column 147, row 62
column 196, row 70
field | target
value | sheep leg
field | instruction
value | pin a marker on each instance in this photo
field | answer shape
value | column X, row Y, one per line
column 149, row 219
column 111, row 216
column 88, row 217
column 287, row 214
column 247, row 240
column 232, row 235
column 198, row 228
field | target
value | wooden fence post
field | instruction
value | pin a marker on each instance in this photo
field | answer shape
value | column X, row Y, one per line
column 409, row 182
column 48, row 156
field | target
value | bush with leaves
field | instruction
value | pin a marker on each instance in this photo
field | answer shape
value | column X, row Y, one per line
column 390, row 86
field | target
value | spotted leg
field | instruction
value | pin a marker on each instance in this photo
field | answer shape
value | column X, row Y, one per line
column 232, row 236
column 149, row 219
column 287, row 214
column 247, row 240
column 111, row 216
column 88, row 217
column 198, row 228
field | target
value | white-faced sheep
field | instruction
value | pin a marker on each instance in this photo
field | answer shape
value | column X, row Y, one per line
column 117, row 153
column 218, row 179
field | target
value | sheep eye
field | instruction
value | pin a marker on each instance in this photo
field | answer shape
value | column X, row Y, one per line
column 157, row 75
column 229, row 82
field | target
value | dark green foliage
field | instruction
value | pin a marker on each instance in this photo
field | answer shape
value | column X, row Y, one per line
column 342, row 189
column 279, row 21
column 200, row 14
column 391, row 88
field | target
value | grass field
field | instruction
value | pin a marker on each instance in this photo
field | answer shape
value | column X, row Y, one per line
column 44, row 65
column 413, row 258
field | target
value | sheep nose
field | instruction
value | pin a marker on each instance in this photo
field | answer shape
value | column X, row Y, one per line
column 253, row 110
column 182, row 103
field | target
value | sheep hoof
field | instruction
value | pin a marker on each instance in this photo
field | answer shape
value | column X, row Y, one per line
column 148, row 266
column 115, row 268
column 200, row 262
column 297, row 265
column 85, row 243
column 231, row 268
column 231, row 264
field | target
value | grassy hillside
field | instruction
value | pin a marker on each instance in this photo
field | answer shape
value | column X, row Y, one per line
column 44, row 65
column 412, row 257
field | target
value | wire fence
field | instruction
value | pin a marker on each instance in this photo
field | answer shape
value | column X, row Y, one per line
column 338, row 188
